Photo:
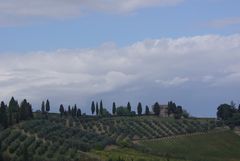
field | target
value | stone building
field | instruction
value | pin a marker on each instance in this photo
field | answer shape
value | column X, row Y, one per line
column 163, row 111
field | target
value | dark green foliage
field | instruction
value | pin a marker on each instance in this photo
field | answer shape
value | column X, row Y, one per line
column 139, row 108
column 43, row 107
column 156, row 108
column 74, row 111
column 129, row 107
column 47, row 106
column 114, row 108
column 93, row 107
column 3, row 115
column 171, row 107
column 178, row 112
column 101, row 108
column 185, row 114
column 147, row 110
column 225, row 111
column 79, row 113
column 123, row 111
column 12, row 111
column 61, row 110
column 25, row 110
column 97, row 110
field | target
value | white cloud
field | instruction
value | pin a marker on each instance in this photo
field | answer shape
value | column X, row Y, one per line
column 16, row 12
column 174, row 82
column 79, row 74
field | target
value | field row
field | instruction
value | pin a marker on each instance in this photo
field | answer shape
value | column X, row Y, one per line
column 136, row 128
column 16, row 144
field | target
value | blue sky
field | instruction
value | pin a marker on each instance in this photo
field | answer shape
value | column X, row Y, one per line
column 188, row 18
column 71, row 37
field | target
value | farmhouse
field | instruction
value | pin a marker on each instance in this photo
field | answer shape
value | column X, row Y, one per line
column 163, row 111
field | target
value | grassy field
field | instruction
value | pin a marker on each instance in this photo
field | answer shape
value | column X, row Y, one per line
column 129, row 154
column 219, row 146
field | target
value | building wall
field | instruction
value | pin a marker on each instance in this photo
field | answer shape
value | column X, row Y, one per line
column 163, row 111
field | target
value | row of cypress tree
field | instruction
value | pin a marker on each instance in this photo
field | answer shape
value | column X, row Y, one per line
column 14, row 113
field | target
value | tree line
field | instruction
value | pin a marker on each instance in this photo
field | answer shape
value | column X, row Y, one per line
column 13, row 112
column 229, row 114
column 97, row 109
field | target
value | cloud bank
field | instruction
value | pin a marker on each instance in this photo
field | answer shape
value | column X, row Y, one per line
column 207, row 62
column 14, row 12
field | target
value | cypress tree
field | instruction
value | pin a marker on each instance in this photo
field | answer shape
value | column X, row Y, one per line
column 61, row 110
column 17, row 113
column 147, row 110
column 97, row 110
column 69, row 110
column 129, row 107
column 23, row 110
column 93, row 107
column 139, row 108
column 156, row 108
column 43, row 107
column 75, row 110
column 11, row 107
column 114, row 108
column 47, row 106
column 3, row 115
column 79, row 113
column 101, row 108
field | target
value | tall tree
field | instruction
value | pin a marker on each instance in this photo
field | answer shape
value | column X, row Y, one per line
column 156, row 108
column 30, row 111
column 225, row 111
column 139, row 108
column 147, row 110
column 23, row 110
column 11, row 110
column 75, row 110
column 47, row 106
column 17, row 112
column 43, row 107
column 179, row 112
column 101, row 108
column 79, row 113
column 129, row 107
column 3, row 115
column 69, row 110
column 114, row 108
column 93, row 107
column 61, row 110
column 97, row 110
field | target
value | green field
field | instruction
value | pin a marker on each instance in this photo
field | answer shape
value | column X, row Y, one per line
column 214, row 146
column 145, row 138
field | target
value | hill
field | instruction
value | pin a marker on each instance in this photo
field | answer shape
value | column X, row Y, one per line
column 104, row 138
column 213, row 146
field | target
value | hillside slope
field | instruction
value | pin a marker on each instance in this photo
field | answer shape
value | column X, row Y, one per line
column 85, row 139
column 213, row 146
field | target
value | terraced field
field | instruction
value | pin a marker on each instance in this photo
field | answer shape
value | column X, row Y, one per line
column 15, row 141
column 85, row 139
column 138, row 128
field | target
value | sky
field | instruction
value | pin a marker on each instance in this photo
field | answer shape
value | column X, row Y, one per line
column 76, row 51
